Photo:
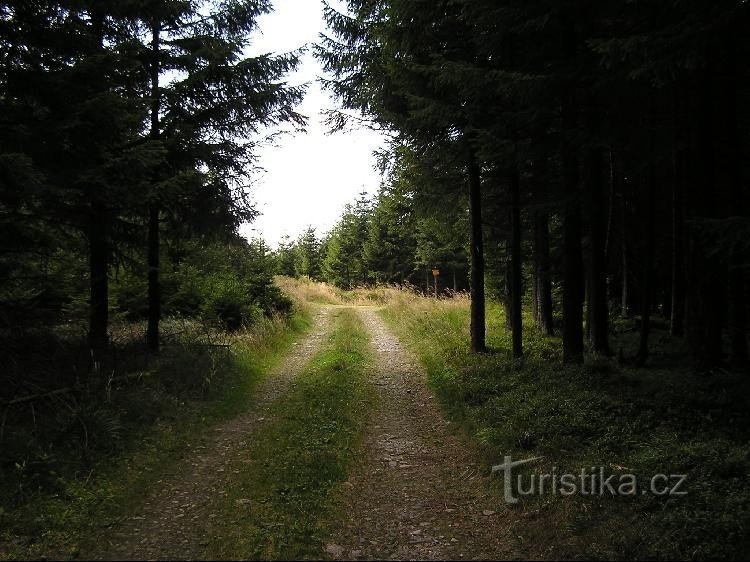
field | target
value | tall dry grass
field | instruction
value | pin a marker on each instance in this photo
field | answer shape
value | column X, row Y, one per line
column 305, row 290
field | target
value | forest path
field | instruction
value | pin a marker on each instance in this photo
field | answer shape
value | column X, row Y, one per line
column 173, row 521
column 417, row 491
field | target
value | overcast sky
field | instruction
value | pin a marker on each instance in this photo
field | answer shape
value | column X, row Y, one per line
column 308, row 177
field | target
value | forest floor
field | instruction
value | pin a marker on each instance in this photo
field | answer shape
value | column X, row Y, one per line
column 413, row 489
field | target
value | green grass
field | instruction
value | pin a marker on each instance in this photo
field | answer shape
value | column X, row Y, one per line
column 59, row 494
column 663, row 419
column 280, row 502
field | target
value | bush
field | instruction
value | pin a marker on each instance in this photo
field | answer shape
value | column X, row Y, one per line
column 230, row 303
column 226, row 284
column 270, row 298
column 189, row 292
column 129, row 290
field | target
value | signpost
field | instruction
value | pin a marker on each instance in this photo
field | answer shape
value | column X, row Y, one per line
column 435, row 275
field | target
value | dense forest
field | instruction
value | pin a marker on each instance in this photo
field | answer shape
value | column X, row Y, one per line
column 128, row 134
column 558, row 254
column 591, row 156
column 128, row 137
column 595, row 150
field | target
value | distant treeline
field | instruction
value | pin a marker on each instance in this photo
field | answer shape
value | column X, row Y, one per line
column 383, row 240
column 601, row 147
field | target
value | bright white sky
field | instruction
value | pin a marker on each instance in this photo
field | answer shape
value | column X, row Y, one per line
column 308, row 177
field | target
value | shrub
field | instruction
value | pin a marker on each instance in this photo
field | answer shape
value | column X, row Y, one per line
column 230, row 303
column 129, row 290
column 189, row 293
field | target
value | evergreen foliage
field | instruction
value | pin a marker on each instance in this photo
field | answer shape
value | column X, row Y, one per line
column 576, row 125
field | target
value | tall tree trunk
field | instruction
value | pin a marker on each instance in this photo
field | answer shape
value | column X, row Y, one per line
column 516, row 281
column 624, row 294
column 573, row 280
column 586, row 289
column 542, row 274
column 98, row 240
column 737, row 320
column 598, row 315
column 477, row 328
column 737, row 309
column 508, row 276
column 706, row 271
column 648, row 267
column 676, row 320
column 666, row 298
column 624, row 223
column 573, row 286
column 98, row 246
column 611, row 206
column 154, row 286
column 534, row 299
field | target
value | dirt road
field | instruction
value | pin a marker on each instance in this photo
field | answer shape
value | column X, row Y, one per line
column 416, row 492
column 175, row 517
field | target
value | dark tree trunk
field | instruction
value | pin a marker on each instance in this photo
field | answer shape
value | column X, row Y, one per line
column 154, row 287
column 573, row 280
column 737, row 309
column 611, row 208
column 515, row 251
column 98, row 240
column 586, row 293
column 737, row 320
column 705, row 307
column 542, row 274
column 513, row 311
column 706, row 271
column 666, row 299
column 676, row 320
column 624, row 293
column 624, row 262
column 478, row 344
column 597, row 310
column 508, row 279
column 648, row 267
column 534, row 303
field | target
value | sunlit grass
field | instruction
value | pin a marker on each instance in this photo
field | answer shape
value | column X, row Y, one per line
column 657, row 420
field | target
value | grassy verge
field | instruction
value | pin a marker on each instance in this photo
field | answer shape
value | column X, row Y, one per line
column 669, row 420
column 80, row 471
column 277, row 507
